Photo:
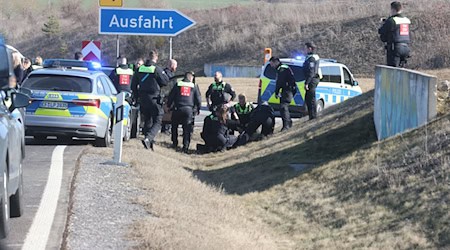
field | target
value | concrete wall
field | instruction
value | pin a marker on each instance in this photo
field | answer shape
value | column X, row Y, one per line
column 404, row 99
column 232, row 71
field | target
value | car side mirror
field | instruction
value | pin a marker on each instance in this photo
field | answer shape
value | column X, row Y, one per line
column 355, row 83
column 19, row 100
column 127, row 95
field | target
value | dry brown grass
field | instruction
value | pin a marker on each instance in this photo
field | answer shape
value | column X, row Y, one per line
column 359, row 193
column 184, row 213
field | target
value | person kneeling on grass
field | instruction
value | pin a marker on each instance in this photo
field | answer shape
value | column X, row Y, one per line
column 263, row 116
column 216, row 132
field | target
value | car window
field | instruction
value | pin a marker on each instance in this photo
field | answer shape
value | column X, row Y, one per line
column 105, row 86
column 58, row 83
column 331, row 74
column 4, row 64
column 347, row 77
column 110, row 85
column 100, row 88
column 271, row 73
column 108, row 72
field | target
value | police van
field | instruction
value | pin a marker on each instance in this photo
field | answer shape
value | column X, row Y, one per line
column 337, row 85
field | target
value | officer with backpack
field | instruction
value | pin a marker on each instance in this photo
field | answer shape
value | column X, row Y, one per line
column 183, row 97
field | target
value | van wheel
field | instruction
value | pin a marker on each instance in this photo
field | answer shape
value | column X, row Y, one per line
column 106, row 140
column 16, row 200
column 320, row 106
column 4, row 206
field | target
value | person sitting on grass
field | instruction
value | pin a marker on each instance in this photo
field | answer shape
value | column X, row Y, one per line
column 216, row 132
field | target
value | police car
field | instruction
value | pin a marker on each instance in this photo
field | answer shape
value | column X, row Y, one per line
column 336, row 86
column 73, row 102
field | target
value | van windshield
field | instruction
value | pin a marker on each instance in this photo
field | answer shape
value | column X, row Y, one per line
column 271, row 73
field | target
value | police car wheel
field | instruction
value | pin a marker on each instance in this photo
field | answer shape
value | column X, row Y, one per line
column 127, row 132
column 135, row 125
column 106, row 140
column 320, row 106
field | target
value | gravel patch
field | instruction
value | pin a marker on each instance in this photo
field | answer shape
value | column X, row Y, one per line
column 103, row 208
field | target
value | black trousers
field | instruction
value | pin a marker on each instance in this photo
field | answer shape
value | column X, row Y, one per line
column 267, row 127
column 310, row 99
column 285, row 115
column 153, row 113
column 182, row 116
column 397, row 54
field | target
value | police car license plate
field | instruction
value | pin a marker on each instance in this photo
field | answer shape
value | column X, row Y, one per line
column 54, row 105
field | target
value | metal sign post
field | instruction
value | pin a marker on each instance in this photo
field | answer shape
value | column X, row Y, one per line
column 117, row 50
column 170, row 49
column 118, row 129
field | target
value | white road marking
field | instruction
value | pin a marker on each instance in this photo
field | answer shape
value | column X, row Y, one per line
column 39, row 232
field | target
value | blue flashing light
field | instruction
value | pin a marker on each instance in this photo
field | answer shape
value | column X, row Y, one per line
column 96, row 65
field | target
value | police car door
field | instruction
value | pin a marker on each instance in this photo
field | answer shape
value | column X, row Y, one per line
column 349, row 87
column 329, row 89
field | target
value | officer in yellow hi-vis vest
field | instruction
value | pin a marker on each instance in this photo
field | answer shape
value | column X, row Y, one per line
column 147, row 84
column 183, row 97
column 395, row 32
column 312, row 78
column 123, row 76
column 241, row 111
column 219, row 92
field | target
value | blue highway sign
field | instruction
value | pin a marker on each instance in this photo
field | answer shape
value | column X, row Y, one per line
column 151, row 22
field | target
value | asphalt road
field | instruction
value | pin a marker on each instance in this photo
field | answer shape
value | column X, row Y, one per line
column 36, row 174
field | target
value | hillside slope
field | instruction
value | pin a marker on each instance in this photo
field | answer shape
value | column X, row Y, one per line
column 350, row 192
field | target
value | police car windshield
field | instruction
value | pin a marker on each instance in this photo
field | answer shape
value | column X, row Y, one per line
column 58, row 83
column 271, row 73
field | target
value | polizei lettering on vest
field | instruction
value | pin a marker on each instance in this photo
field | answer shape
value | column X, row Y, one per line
column 141, row 22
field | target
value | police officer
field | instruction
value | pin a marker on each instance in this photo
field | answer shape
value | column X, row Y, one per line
column 286, row 84
column 241, row 111
column 184, row 97
column 395, row 33
column 312, row 78
column 215, row 95
column 170, row 72
column 263, row 116
column 122, row 75
column 147, row 85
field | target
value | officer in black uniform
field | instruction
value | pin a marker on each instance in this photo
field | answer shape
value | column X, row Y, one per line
column 262, row 116
column 215, row 94
column 122, row 76
column 170, row 72
column 312, row 78
column 183, row 98
column 395, row 33
column 286, row 84
column 147, row 85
